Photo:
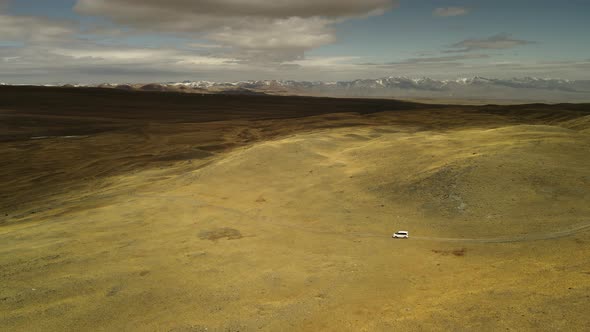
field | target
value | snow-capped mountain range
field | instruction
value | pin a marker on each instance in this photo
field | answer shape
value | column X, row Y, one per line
column 527, row 89
column 424, row 83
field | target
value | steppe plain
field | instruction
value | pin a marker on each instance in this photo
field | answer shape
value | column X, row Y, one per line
column 147, row 211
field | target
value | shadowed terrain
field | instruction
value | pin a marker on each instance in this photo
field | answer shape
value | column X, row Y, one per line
column 125, row 210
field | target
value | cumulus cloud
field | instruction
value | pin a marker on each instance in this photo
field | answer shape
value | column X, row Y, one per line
column 222, row 40
column 450, row 11
column 453, row 59
column 497, row 42
column 293, row 32
column 96, row 63
column 147, row 11
column 444, row 58
column 282, row 27
column 83, row 62
column 34, row 29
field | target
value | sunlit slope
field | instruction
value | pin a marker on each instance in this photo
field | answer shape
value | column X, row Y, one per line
column 465, row 183
column 486, row 182
column 290, row 229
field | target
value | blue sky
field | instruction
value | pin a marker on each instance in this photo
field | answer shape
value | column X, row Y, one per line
column 559, row 29
column 131, row 40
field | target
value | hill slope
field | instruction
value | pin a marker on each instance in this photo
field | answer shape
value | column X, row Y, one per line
column 262, row 213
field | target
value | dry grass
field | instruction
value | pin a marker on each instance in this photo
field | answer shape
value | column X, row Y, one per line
column 173, row 213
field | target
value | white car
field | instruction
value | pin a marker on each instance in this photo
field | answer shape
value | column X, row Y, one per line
column 401, row 235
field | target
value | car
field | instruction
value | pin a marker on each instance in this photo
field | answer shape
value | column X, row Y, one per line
column 401, row 235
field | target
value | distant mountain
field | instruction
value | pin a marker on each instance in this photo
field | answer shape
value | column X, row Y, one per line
column 526, row 89
column 425, row 83
column 476, row 88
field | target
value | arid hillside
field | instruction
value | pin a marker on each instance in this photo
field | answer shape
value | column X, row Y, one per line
column 179, row 212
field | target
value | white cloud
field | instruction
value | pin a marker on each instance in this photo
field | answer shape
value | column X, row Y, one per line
column 450, row 11
column 81, row 62
column 291, row 33
column 438, row 59
column 285, row 28
column 114, row 54
column 34, row 29
column 497, row 42
column 145, row 11
column 204, row 45
column 224, row 40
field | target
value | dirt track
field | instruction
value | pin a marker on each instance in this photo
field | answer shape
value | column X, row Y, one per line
column 556, row 234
